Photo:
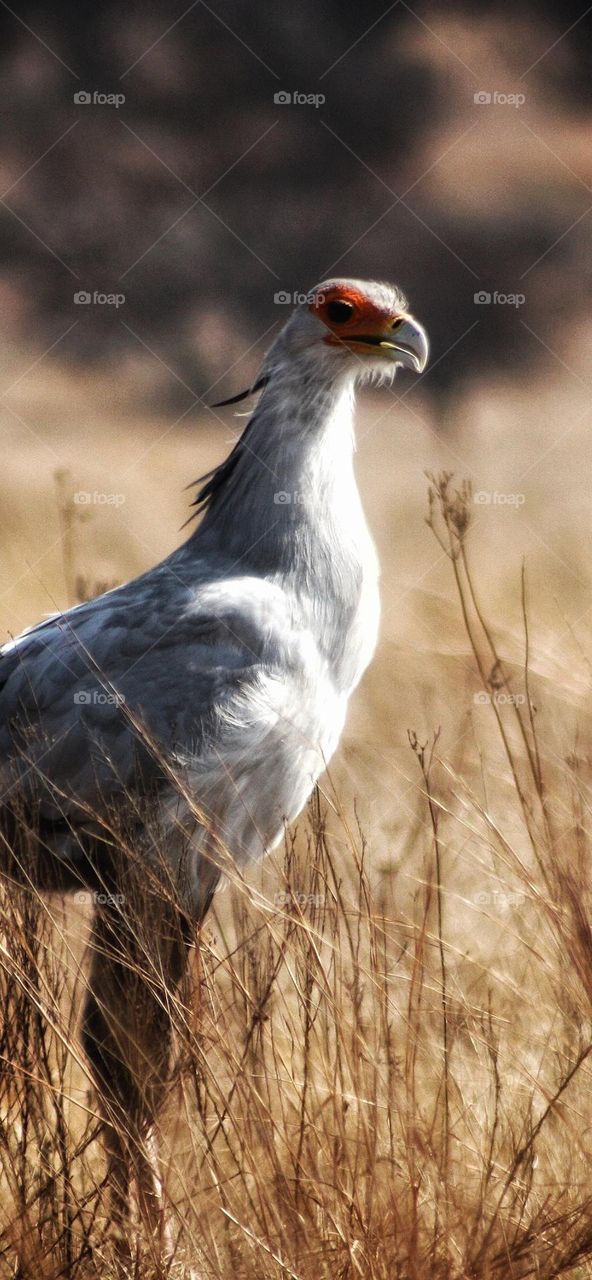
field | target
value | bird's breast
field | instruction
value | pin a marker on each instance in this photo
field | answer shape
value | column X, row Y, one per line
column 344, row 599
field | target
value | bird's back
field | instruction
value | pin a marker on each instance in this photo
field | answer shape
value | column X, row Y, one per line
column 186, row 681
column 214, row 688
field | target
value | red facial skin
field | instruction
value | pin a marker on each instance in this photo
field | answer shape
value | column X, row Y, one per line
column 366, row 319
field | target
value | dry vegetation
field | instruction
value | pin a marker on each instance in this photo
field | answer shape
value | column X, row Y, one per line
column 383, row 1053
column 384, row 1049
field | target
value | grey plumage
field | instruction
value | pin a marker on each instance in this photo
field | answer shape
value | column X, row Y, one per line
column 212, row 690
column 236, row 654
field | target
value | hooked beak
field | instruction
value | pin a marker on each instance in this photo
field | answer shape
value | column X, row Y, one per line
column 410, row 344
column 405, row 342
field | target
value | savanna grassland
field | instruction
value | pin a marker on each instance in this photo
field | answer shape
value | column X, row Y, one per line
column 383, row 1054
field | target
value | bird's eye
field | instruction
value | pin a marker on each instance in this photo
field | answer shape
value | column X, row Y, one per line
column 338, row 311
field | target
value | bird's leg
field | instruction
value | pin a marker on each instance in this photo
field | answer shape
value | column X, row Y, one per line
column 140, row 1164
column 150, row 1193
column 118, row 1178
column 137, row 964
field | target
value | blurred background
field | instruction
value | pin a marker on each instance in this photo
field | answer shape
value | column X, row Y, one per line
column 171, row 174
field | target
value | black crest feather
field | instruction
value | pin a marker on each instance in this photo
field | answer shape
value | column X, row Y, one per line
column 211, row 484
column 242, row 395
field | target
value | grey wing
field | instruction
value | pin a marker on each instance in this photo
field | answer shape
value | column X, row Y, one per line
column 91, row 701
column 200, row 694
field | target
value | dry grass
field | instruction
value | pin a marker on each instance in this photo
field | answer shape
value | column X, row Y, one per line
column 384, row 1048
column 383, row 1051
column 355, row 1093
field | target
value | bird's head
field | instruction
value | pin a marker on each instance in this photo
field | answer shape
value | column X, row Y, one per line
column 357, row 328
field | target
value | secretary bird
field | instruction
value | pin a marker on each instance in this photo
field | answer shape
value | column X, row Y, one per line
column 194, row 708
